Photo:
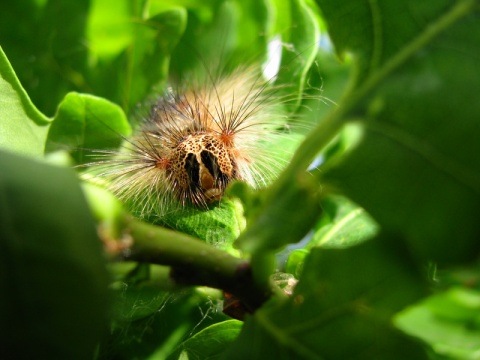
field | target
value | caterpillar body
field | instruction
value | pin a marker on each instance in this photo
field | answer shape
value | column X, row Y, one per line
column 196, row 140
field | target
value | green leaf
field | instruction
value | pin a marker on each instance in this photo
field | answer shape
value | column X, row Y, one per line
column 220, row 36
column 148, row 57
column 299, row 50
column 340, row 309
column 131, row 51
column 52, row 274
column 342, row 224
column 210, row 343
column 106, row 209
column 295, row 262
column 137, row 302
column 416, row 170
column 449, row 322
column 23, row 128
column 51, row 58
column 171, row 318
column 275, row 224
column 219, row 226
column 86, row 122
column 109, row 28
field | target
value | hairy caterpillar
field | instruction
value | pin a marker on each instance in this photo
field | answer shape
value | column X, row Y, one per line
column 196, row 140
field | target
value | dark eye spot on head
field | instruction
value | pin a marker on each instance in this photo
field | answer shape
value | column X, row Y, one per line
column 210, row 161
column 192, row 167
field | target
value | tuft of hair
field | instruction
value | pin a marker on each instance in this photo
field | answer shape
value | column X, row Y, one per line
column 196, row 140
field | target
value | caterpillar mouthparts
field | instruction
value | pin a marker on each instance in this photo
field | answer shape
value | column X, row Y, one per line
column 195, row 142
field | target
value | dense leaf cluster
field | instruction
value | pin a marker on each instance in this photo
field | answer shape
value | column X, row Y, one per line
column 388, row 265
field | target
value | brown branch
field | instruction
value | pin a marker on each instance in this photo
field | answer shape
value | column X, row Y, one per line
column 194, row 262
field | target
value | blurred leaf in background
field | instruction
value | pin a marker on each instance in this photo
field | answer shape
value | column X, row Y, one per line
column 45, row 41
column 53, row 278
column 340, row 309
column 24, row 128
column 416, row 169
column 449, row 321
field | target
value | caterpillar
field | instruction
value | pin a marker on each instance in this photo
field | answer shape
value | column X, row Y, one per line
column 196, row 140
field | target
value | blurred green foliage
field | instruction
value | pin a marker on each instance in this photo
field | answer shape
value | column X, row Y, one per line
column 396, row 189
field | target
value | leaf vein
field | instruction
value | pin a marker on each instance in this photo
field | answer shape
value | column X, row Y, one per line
column 377, row 34
column 440, row 161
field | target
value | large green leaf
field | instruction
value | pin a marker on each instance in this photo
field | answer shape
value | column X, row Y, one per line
column 449, row 322
column 342, row 224
column 219, row 225
column 132, row 51
column 340, row 309
column 52, row 275
column 299, row 48
column 275, row 225
column 86, row 123
column 220, row 36
column 150, row 323
column 46, row 44
column 148, row 58
column 114, row 49
column 210, row 343
column 417, row 169
column 109, row 28
column 23, row 129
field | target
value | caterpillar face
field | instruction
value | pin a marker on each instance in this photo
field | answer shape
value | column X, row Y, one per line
column 195, row 142
column 202, row 166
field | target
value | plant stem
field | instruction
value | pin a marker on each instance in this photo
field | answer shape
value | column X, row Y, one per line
column 194, row 262
column 332, row 124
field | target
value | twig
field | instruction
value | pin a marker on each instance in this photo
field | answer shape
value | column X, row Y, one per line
column 194, row 262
